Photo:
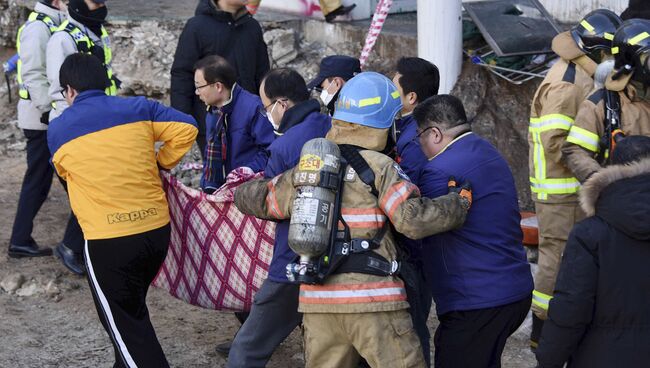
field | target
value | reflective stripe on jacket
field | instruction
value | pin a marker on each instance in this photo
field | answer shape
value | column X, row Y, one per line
column 31, row 44
column 85, row 44
column 583, row 143
column 399, row 202
column 52, row 27
column 61, row 45
column 553, row 110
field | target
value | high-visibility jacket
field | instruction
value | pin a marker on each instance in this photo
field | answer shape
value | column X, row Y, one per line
column 73, row 37
column 552, row 114
column 85, row 45
column 31, row 45
column 583, row 143
column 33, row 17
column 399, row 202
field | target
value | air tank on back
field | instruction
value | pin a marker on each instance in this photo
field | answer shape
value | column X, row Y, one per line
column 316, row 180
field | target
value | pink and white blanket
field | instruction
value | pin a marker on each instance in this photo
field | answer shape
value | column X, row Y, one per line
column 218, row 257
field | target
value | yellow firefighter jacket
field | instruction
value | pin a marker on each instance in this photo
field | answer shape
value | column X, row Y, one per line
column 552, row 114
column 582, row 145
column 399, row 202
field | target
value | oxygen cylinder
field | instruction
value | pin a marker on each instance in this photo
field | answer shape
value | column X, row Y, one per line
column 316, row 183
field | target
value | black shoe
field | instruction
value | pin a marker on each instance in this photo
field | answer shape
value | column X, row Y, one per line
column 70, row 260
column 224, row 348
column 32, row 250
column 536, row 333
column 341, row 10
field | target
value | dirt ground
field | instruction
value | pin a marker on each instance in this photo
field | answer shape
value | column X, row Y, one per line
column 51, row 320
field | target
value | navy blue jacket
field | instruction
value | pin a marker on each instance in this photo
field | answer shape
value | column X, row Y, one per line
column 248, row 134
column 409, row 153
column 482, row 264
column 299, row 124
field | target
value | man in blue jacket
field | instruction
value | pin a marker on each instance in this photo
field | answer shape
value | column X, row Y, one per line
column 237, row 131
column 478, row 274
column 416, row 80
column 274, row 314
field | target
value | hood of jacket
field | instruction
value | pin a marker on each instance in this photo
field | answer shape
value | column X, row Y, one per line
column 297, row 114
column 56, row 15
column 565, row 47
column 620, row 195
column 210, row 8
column 358, row 135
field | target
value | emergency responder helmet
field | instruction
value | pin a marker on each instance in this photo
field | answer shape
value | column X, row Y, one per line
column 631, row 42
column 596, row 30
column 368, row 99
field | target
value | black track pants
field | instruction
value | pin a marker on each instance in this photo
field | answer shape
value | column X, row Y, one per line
column 120, row 271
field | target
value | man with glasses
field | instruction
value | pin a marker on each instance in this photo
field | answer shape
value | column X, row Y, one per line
column 237, row 129
column 274, row 313
column 478, row 274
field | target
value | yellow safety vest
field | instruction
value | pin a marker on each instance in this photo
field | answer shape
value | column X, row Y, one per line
column 33, row 17
column 85, row 45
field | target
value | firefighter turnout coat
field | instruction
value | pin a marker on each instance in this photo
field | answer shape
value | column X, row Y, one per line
column 552, row 114
column 399, row 202
column 583, row 144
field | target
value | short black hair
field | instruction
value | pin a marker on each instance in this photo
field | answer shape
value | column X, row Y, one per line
column 287, row 83
column 444, row 111
column 83, row 72
column 217, row 69
column 419, row 76
column 630, row 149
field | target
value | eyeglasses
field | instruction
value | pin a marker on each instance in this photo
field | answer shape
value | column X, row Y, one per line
column 421, row 133
column 265, row 110
column 198, row 88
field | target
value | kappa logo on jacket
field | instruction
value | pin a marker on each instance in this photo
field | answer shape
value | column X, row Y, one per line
column 116, row 218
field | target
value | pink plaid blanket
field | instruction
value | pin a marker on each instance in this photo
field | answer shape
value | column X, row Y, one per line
column 218, row 257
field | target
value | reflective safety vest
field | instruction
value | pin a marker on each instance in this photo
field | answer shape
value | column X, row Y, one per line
column 540, row 183
column 85, row 45
column 33, row 17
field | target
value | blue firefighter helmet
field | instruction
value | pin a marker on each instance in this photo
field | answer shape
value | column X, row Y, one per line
column 368, row 99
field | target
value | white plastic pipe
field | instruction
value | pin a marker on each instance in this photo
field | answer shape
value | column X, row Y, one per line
column 440, row 38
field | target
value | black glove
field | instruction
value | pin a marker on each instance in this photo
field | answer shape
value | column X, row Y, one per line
column 464, row 191
column 118, row 82
column 45, row 118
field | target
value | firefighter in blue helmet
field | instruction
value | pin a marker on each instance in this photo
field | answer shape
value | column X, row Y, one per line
column 355, row 312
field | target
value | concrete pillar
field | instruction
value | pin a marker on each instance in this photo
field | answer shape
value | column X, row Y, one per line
column 440, row 38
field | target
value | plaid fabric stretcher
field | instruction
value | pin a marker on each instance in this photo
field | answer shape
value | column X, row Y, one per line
column 218, row 257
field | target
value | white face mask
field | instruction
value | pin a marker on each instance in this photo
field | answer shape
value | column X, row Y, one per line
column 270, row 117
column 325, row 96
